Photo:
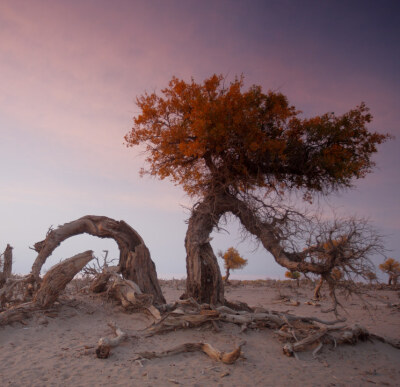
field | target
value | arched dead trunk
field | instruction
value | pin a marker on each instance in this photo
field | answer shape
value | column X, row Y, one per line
column 135, row 262
column 204, row 282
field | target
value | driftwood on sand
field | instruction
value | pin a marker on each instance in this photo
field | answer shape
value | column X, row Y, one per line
column 208, row 349
column 105, row 344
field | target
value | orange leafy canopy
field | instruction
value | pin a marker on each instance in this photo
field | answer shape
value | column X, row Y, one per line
column 295, row 275
column 205, row 136
column 390, row 266
column 232, row 259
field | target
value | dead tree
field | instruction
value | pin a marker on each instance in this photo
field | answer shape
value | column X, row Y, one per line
column 135, row 262
column 6, row 266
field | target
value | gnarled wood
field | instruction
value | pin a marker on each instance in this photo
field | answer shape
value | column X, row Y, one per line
column 105, row 344
column 100, row 283
column 208, row 349
column 16, row 290
column 57, row 278
column 204, row 282
column 135, row 261
column 7, row 268
column 17, row 313
column 6, row 265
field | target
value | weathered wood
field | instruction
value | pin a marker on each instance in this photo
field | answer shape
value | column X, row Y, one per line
column 100, row 283
column 130, row 296
column 105, row 344
column 17, row 289
column 57, row 278
column 17, row 313
column 6, row 265
column 135, row 262
column 204, row 282
column 208, row 349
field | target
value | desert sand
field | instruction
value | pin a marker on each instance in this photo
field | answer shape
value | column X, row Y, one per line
column 49, row 349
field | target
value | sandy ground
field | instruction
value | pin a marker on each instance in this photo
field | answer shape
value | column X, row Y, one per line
column 47, row 351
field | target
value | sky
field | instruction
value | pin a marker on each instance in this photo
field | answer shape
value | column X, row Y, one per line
column 70, row 72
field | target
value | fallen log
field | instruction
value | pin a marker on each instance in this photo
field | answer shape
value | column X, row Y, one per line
column 336, row 335
column 208, row 349
column 17, row 313
column 17, row 290
column 131, row 297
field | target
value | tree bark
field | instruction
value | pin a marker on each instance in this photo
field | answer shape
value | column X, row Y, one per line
column 134, row 261
column 57, row 278
column 317, row 290
column 204, row 282
column 228, row 272
column 7, row 267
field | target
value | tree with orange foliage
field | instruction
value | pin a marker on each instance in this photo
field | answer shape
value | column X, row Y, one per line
column 241, row 152
column 392, row 268
column 294, row 275
column 232, row 261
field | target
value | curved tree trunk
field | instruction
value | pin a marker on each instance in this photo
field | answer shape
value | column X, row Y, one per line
column 204, row 281
column 134, row 261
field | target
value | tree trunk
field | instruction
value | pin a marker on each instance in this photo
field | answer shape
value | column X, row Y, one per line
column 134, row 261
column 57, row 278
column 7, row 267
column 228, row 272
column 317, row 290
column 204, row 281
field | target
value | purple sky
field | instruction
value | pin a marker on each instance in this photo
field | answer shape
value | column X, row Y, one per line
column 70, row 72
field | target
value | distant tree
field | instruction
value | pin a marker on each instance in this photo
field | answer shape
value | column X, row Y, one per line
column 243, row 152
column 371, row 276
column 392, row 268
column 294, row 275
column 232, row 261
